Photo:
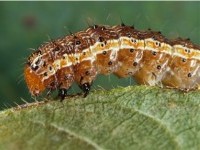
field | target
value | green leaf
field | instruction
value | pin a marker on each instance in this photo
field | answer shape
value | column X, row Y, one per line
column 136, row 117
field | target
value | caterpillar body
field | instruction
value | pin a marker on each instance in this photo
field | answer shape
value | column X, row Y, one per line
column 147, row 56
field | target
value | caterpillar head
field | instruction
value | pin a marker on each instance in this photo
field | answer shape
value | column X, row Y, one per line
column 33, row 81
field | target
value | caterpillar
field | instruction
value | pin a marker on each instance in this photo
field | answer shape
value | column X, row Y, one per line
column 148, row 56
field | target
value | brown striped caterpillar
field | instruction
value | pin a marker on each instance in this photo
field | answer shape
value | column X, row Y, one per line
column 146, row 55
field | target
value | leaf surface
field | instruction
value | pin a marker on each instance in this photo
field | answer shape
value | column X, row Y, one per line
column 135, row 117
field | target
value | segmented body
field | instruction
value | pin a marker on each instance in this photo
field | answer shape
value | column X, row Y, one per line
column 146, row 55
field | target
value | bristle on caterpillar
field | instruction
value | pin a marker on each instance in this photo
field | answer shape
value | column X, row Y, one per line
column 147, row 56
